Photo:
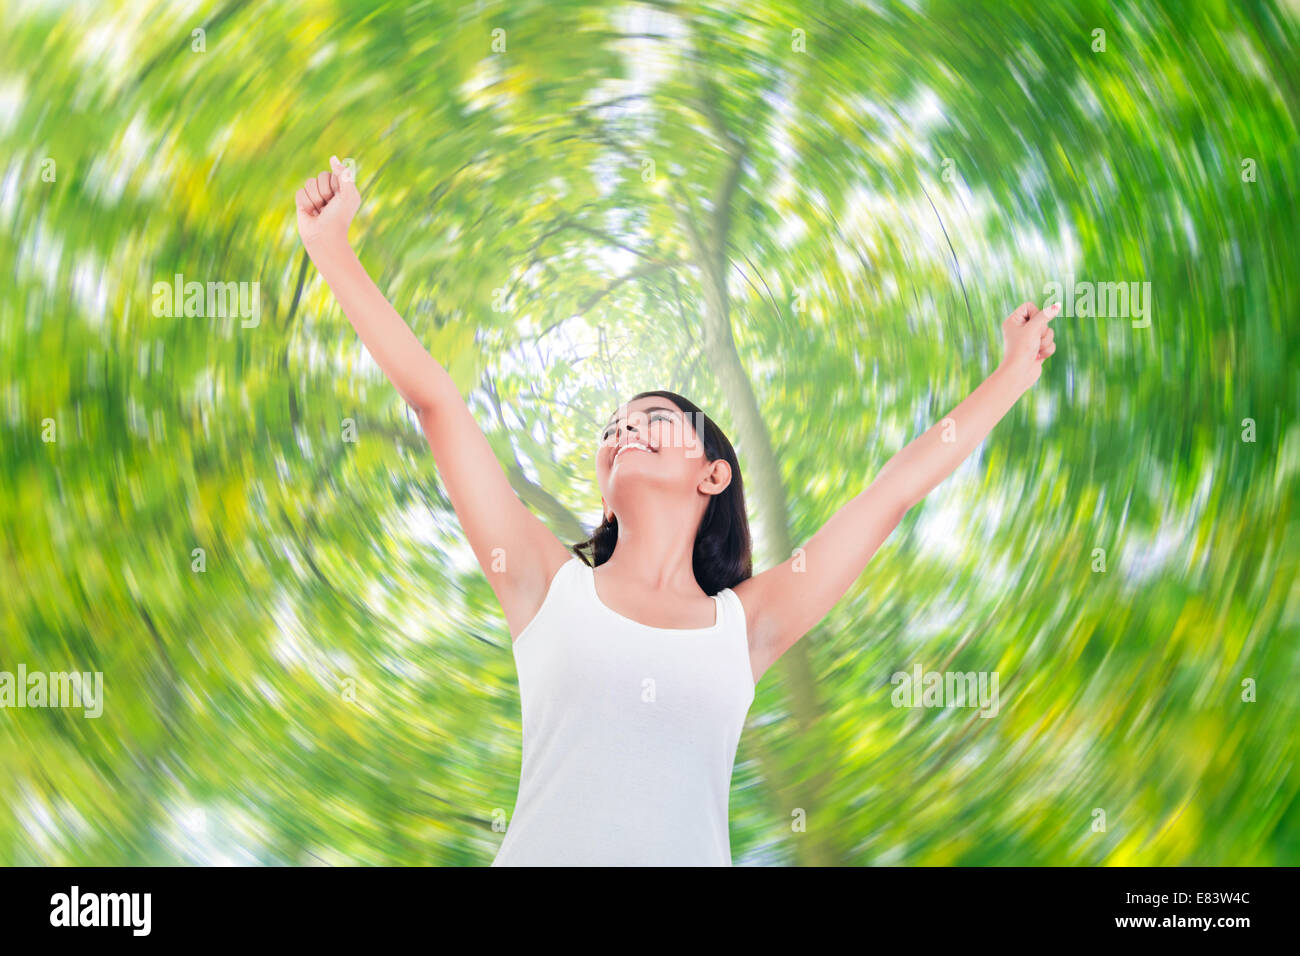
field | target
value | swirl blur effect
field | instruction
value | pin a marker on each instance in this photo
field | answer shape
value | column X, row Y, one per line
column 811, row 219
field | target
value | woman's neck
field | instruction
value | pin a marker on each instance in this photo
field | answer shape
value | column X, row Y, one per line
column 655, row 550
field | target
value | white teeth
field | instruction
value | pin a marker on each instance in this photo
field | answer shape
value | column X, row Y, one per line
column 635, row 444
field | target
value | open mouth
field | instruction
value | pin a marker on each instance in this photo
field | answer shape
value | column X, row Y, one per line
column 640, row 446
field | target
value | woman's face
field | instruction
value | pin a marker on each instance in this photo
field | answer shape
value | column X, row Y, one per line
column 650, row 441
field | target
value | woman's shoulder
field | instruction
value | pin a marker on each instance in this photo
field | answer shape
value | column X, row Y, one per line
column 562, row 578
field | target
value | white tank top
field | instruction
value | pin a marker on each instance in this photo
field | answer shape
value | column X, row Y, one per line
column 629, row 733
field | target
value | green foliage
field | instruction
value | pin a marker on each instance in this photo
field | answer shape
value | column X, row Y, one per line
column 337, row 685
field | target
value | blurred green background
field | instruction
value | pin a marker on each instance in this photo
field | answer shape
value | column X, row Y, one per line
column 808, row 217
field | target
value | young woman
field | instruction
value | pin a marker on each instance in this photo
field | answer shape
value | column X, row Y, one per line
column 638, row 650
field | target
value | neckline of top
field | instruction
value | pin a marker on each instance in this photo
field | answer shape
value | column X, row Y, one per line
column 591, row 589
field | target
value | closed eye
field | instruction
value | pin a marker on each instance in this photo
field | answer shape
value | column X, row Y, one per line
column 609, row 429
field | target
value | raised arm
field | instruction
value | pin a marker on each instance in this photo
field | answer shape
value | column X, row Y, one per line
column 783, row 603
column 517, row 552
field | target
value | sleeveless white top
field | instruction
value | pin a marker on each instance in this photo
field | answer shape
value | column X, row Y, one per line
column 629, row 733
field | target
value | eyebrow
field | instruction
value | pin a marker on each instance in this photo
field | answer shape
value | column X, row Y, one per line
column 645, row 411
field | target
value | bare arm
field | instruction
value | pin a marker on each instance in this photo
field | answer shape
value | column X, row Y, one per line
column 516, row 550
column 783, row 603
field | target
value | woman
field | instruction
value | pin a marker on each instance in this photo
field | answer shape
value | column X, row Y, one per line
column 638, row 652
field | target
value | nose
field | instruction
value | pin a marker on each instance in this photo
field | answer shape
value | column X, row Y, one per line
column 624, row 432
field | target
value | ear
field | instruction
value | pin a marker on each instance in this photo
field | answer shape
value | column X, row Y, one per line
column 718, row 478
column 604, row 509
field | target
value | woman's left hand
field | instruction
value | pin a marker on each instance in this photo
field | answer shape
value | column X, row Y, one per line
column 1028, row 340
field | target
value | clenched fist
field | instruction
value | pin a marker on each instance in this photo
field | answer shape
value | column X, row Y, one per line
column 1028, row 341
column 326, row 205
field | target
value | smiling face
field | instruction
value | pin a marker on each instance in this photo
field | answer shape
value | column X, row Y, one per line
column 650, row 441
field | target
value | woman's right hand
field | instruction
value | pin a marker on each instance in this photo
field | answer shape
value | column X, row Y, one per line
column 326, row 206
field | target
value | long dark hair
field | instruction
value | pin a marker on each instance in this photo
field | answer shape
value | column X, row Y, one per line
column 723, row 547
